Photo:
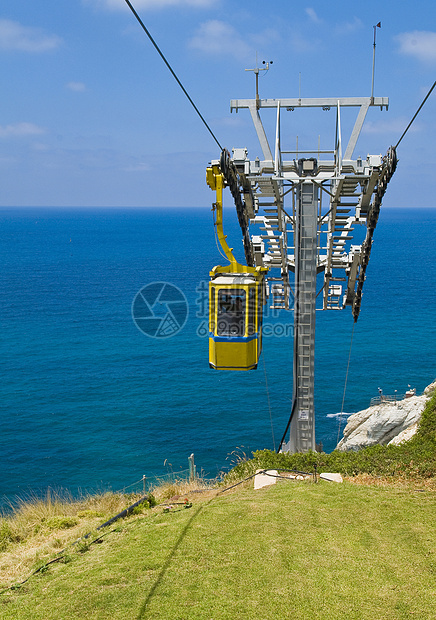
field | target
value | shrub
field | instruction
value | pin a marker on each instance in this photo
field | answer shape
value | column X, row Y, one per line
column 61, row 522
column 90, row 514
column 7, row 534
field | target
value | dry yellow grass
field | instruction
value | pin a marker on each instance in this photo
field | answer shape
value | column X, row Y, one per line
column 427, row 484
column 178, row 489
column 37, row 529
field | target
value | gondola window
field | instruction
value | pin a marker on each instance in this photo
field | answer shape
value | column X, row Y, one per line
column 231, row 313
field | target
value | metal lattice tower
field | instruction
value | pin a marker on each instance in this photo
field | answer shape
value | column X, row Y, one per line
column 328, row 194
column 302, row 433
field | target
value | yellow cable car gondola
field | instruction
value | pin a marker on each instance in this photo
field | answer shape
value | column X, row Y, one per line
column 236, row 299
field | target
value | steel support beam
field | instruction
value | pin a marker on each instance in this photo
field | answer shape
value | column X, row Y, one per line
column 302, row 427
column 325, row 102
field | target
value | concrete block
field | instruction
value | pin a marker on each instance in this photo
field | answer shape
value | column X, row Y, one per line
column 331, row 477
column 263, row 480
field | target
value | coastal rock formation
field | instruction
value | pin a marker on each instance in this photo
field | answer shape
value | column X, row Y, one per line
column 384, row 423
column 405, row 435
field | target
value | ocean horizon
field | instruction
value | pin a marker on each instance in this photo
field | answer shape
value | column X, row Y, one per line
column 89, row 402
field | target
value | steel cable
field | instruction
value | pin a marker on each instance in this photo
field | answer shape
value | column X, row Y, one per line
column 345, row 385
column 141, row 23
column 416, row 114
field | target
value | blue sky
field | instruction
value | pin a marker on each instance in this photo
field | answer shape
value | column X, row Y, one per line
column 90, row 116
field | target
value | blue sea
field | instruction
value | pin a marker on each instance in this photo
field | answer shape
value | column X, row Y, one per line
column 89, row 402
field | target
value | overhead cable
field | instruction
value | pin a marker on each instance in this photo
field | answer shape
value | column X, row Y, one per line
column 416, row 114
column 269, row 402
column 129, row 4
column 345, row 385
column 294, row 406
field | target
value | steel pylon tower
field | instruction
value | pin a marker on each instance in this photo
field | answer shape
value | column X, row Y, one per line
column 307, row 206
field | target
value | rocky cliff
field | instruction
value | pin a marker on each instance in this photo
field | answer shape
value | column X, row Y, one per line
column 384, row 423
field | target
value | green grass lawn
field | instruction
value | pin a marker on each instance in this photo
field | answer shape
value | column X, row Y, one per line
column 293, row 550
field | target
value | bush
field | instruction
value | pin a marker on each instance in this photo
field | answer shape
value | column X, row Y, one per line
column 61, row 522
column 90, row 514
column 7, row 534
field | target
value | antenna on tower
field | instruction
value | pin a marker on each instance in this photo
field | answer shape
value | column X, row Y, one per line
column 373, row 61
column 256, row 73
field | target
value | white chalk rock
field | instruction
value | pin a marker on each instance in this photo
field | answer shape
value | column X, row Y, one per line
column 384, row 423
column 430, row 388
column 404, row 435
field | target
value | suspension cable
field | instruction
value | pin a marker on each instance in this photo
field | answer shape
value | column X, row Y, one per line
column 129, row 4
column 269, row 401
column 345, row 386
column 294, row 405
column 416, row 114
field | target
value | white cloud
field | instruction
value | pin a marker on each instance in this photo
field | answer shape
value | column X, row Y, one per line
column 235, row 120
column 40, row 147
column 419, row 43
column 77, row 87
column 20, row 130
column 151, row 4
column 351, row 26
column 394, row 126
column 265, row 38
column 217, row 37
column 14, row 36
column 7, row 160
column 301, row 44
column 140, row 167
column 313, row 16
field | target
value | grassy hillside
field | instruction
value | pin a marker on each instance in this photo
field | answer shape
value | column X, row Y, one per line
column 296, row 549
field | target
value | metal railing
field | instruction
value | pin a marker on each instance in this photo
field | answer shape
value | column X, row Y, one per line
column 384, row 398
column 146, row 483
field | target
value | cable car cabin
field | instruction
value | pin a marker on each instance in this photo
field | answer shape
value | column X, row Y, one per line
column 235, row 319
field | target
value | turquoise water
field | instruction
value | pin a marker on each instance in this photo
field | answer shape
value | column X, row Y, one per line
column 89, row 402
